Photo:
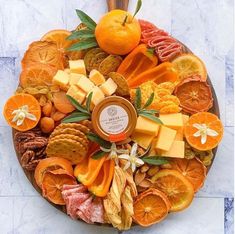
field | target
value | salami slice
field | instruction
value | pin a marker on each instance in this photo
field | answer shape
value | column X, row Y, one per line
column 84, row 211
column 97, row 211
column 144, row 24
column 68, row 186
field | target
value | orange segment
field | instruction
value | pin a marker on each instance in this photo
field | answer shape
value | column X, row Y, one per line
column 178, row 189
column 150, row 207
column 192, row 169
column 212, row 122
column 18, row 101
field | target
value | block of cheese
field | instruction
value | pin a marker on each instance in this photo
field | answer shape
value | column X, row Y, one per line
column 74, row 78
column 152, row 150
column 165, row 138
column 146, row 126
column 141, row 139
column 180, row 132
column 108, row 87
column 77, row 66
column 85, row 84
column 76, row 93
column 61, row 79
column 67, row 70
column 96, row 77
column 174, row 121
column 176, row 150
column 97, row 96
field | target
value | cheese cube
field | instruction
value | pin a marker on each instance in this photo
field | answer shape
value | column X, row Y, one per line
column 77, row 66
column 76, row 93
column 61, row 79
column 141, row 139
column 165, row 138
column 177, row 150
column 108, row 87
column 74, row 78
column 180, row 132
column 146, row 126
column 174, row 121
column 152, row 150
column 85, row 84
column 67, row 70
column 97, row 96
column 96, row 77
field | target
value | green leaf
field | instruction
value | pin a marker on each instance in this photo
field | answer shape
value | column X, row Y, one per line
column 149, row 101
column 150, row 112
column 75, row 117
column 87, row 20
column 88, row 101
column 81, row 34
column 77, row 105
column 82, row 45
column 99, row 154
column 150, row 51
column 138, row 6
column 95, row 138
column 137, row 102
column 155, row 160
column 151, row 117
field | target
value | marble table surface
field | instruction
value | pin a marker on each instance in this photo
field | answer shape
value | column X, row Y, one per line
column 204, row 26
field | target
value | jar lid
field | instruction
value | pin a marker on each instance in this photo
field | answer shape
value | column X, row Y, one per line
column 114, row 119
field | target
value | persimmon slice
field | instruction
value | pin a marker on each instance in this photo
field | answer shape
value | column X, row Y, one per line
column 192, row 169
column 150, row 207
column 177, row 187
column 18, row 101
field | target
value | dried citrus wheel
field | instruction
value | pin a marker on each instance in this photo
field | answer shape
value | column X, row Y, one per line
column 22, row 112
column 177, row 187
column 194, row 94
column 52, row 184
column 49, row 164
column 43, row 52
column 192, row 169
column 189, row 64
column 37, row 75
column 150, row 207
column 203, row 131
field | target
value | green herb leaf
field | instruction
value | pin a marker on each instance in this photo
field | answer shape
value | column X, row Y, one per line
column 151, row 117
column 138, row 6
column 76, row 117
column 137, row 102
column 99, row 154
column 77, row 105
column 87, row 20
column 155, row 160
column 94, row 138
column 82, row 45
column 88, row 102
column 81, row 34
column 149, row 101
column 150, row 112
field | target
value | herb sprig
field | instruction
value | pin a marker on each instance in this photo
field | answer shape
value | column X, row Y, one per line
column 155, row 160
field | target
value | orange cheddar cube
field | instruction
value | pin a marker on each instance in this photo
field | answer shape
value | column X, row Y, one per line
column 177, row 150
column 146, row 126
column 180, row 131
column 174, row 121
column 96, row 77
column 143, row 140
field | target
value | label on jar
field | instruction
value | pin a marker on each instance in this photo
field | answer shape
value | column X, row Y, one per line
column 113, row 119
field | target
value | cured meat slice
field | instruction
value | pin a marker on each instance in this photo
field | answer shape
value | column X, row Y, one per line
column 84, row 211
column 69, row 192
column 144, row 25
column 97, row 211
column 70, row 186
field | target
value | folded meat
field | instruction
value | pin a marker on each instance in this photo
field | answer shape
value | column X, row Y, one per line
column 81, row 204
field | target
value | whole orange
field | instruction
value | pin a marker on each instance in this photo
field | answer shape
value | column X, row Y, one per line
column 116, row 37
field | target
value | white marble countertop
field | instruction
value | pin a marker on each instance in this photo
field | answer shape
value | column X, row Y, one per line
column 204, row 26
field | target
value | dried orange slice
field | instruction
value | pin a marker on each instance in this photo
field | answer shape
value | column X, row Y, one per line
column 189, row 64
column 37, row 75
column 22, row 112
column 194, row 94
column 150, row 207
column 43, row 52
column 203, row 131
column 177, row 187
column 52, row 184
column 192, row 169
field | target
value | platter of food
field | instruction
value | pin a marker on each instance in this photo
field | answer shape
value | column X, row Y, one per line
column 116, row 122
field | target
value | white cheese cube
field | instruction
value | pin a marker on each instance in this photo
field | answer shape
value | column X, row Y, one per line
column 61, row 79
column 76, row 93
column 85, row 84
column 108, row 87
column 96, row 77
column 77, row 66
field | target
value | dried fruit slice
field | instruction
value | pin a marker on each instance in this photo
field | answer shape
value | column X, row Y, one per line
column 150, row 207
column 178, row 189
column 22, row 112
column 203, row 131
column 192, row 169
column 52, row 185
column 194, row 94
column 189, row 64
column 62, row 103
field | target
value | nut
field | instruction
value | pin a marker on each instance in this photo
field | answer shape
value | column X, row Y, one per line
column 146, row 183
column 166, row 166
column 144, row 168
column 139, row 177
column 153, row 170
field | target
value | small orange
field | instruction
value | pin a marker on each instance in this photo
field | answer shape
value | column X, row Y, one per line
column 192, row 169
column 150, row 207
column 26, row 107
column 203, row 131
column 178, row 189
column 114, row 35
column 52, row 184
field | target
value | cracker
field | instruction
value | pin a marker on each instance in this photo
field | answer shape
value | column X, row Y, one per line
column 76, row 126
column 71, row 131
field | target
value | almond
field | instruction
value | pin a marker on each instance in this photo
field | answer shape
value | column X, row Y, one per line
column 146, row 183
column 153, row 170
column 144, row 168
column 139, row 177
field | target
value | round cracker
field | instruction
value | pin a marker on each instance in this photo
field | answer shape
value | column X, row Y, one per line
column 72, row 131
column 77, row 126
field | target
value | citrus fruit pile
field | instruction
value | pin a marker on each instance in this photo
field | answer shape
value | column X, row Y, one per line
column 114, row 121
